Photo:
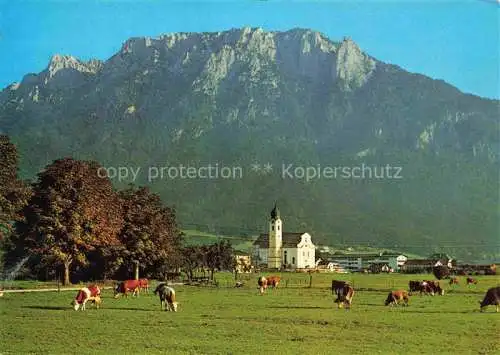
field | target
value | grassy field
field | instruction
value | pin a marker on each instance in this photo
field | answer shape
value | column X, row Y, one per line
column 225, row 320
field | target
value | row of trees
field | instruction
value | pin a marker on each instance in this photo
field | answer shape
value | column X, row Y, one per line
column 218, row 256
column 73, row 219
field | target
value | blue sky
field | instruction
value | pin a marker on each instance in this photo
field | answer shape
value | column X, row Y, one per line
column 457, row 41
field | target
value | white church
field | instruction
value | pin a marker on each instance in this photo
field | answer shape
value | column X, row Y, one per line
column 284, row 250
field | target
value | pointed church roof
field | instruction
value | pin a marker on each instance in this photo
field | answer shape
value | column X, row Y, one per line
column 275, row 213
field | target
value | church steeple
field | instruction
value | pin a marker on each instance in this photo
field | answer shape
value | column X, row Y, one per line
column 275, row 239
column 275, row 213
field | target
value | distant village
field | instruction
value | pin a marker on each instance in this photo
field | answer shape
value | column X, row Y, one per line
column 296, row 252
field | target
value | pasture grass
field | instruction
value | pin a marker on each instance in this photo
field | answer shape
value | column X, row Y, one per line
column 226, row 320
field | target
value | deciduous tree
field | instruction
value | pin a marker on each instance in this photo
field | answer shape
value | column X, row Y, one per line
column 14, row 193
column 192, row 258
column 150, row 234
column 73, row 211
column 220, row 256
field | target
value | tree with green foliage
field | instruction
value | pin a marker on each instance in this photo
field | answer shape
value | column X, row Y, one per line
column 73, row 211
column 217, row 256
column 14, row 193
column 220, row 256
column 150, row 235
column 192, row 259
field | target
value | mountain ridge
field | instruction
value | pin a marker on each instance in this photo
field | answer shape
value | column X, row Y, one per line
column 246, row 95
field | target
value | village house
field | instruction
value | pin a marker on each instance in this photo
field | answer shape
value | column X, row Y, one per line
column 284, row 250
column 243, row 262
column 349, row 262
column 476, row 269
column 413, row 266
column 362, row 261
column 377, row 268
column 392, row 261
column 329, row 266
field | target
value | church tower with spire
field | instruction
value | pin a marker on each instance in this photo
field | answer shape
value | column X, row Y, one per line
column 275, row 239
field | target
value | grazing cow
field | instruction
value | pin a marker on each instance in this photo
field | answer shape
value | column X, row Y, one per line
column 125, row 286
column 426, row 287
column 344, row 296
column 433, row 287
column 438, row 289
column 87, row 294
column 273, row 281
column 471, row 281
column 338, row 285
column 167, row 297
column 396, row 297
column 262, row 282
column 492, row 298
column 144, row 284
column 415, row 286
column 454, row 281
column 420, row 286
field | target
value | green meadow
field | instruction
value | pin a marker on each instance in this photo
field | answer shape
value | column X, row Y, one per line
column 292, row 319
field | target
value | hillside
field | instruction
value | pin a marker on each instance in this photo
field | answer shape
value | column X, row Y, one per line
column 240, row 243
column 246, row 96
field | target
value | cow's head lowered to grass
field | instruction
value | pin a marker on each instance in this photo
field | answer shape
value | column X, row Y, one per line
column 167, row 296
column 95, row 300
column 87, row 294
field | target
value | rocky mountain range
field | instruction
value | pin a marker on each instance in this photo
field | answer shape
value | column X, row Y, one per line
column 268, row 106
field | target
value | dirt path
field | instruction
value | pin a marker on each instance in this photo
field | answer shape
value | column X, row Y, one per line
column 50, row 289
column 28, row 290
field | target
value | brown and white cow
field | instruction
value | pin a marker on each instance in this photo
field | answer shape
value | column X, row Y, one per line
column 273, row 281
column 167, row 297
column 344, row 296
column 432, row 287
column 438, row 289
column 454, row 281
column 425, row 287
column 397, row 297
column 471, row 281
column 338, row 285
column 127, row 286
column 262, row 282
column 415, row 286
column 265, row 282
column 144, row 284
column 91, row 293
column 491, row 298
